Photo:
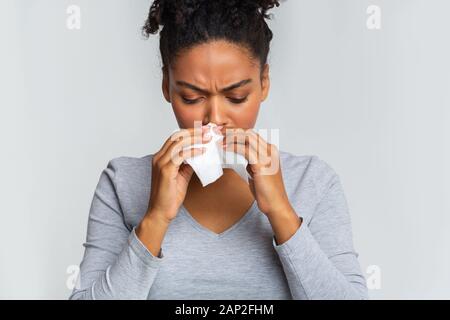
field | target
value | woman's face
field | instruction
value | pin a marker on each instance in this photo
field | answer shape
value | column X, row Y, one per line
column 216, row 82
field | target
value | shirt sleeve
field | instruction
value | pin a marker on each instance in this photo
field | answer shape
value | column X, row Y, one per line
column 116, row 264
column 319, row 259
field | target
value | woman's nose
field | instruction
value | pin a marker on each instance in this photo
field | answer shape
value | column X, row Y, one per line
column 217, row 128
column 216, row 114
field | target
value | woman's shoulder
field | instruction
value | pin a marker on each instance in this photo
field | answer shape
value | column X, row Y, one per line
column 126, row 180
column 311, row 164
column 131, row 160
column 129, row 172
column 308, row 179
column 306, row 172
column 124, row 163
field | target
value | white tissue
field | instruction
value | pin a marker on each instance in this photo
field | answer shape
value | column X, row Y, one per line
column 208, row 166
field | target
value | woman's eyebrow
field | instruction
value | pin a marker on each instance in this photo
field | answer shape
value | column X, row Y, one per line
column 204, row 91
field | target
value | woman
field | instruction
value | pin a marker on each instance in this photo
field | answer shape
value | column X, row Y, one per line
column 155, row 232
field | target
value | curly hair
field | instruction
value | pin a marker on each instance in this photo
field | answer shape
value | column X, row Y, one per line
column 190, row 22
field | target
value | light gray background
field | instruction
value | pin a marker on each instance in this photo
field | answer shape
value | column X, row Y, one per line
column 374, row 104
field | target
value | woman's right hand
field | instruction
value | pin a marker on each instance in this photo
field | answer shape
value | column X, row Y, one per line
column 170, row 176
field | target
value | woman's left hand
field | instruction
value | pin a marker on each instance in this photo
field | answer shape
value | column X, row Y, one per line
column 263, row 166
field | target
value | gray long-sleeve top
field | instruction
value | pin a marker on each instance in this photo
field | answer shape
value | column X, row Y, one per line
column 243, row 262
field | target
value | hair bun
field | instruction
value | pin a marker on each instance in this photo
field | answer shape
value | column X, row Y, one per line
column 164, row 12
column 262, row 6
column 179, row 12
column 240, row 10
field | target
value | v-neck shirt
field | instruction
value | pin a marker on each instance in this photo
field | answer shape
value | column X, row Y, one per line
column 243, row 262
column 185, row 213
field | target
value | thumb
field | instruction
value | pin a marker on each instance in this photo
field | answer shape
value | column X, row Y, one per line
column 186, row 171
column 251, row 185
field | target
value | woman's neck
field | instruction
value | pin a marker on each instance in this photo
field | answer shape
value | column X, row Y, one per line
column 229, row 181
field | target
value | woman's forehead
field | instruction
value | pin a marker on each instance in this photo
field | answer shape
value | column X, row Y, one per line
column 214, row 56
column 215, row 63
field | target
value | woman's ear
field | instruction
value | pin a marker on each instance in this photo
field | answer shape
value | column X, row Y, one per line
column 165, row 84
column 265, row 82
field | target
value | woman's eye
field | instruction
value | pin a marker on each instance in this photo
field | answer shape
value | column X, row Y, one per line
column 233, row 100
column 238, row 100
column 190, row 101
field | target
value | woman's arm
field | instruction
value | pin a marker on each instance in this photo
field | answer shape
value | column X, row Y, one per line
column 116, row 264
column 319, row 259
